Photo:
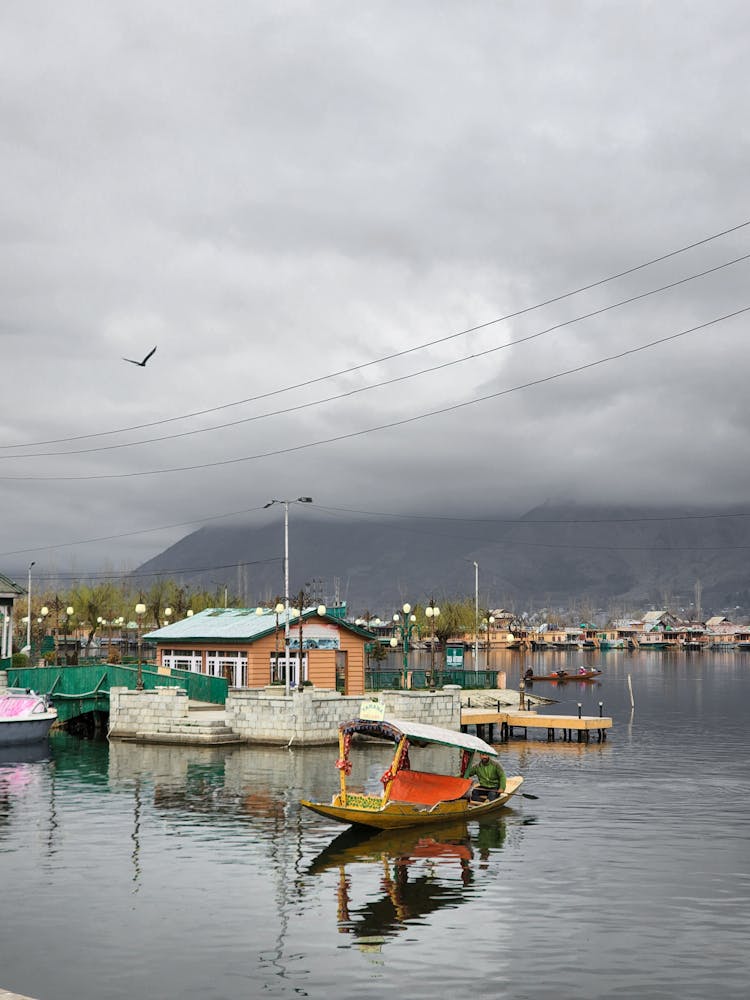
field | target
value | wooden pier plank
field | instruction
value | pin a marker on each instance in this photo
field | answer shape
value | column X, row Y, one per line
column 532, row 720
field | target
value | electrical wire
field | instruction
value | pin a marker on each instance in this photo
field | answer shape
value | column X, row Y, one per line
column 392, row 381
column 137, row 573
column 397, row 354
column 391, row 424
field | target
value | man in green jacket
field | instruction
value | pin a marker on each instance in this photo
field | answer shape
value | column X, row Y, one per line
column 490, row 779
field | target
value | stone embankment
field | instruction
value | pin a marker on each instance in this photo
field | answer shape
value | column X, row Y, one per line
column 306, row 717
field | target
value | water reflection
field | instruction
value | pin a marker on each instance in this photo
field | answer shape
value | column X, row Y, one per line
column 419, row 872
column 21, row 767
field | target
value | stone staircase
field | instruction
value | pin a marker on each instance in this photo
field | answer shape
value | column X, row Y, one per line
column 205, row 725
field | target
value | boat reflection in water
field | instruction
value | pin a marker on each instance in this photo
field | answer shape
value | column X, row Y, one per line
column 420, row 871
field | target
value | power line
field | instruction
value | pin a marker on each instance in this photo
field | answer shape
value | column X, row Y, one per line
column 374, row 513
column 137, row 574
column 504, row 541
column 530, row 524
column 391, row 381
column 396, row 354
column 391, row 424
column 130, row 534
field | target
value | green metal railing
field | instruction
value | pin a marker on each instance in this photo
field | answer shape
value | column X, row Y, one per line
column 85, row 688
column 392, row 679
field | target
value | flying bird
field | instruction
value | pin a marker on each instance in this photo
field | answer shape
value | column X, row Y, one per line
column 141, row 363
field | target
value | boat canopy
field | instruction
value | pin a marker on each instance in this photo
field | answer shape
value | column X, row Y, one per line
column 418, row 733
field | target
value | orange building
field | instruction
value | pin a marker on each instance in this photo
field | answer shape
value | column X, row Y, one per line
column 248, row 647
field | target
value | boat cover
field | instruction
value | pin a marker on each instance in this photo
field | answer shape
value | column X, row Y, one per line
column 417, row 732
column 427, row 789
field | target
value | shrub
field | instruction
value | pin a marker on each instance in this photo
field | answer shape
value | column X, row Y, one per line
column 19, row 661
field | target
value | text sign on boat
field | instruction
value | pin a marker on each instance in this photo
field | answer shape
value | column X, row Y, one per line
column 372, row 710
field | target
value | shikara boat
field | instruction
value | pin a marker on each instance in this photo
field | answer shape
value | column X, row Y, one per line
column 563, row 677
column 410, row 797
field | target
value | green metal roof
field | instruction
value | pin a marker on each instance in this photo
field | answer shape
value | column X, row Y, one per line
column 239, row 625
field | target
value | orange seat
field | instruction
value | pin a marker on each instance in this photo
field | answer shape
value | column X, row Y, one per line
column 426, row 789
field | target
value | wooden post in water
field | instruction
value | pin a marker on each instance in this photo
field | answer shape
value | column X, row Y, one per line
column 630, row 688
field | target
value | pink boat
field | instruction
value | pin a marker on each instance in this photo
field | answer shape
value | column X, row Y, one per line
column 25, row 717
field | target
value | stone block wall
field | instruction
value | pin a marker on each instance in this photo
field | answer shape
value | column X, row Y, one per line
column 311, row 716
column 132, row 712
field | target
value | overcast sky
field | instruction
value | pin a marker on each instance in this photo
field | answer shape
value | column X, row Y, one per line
column 275, row 192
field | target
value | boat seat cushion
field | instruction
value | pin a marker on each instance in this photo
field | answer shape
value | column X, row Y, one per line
column 426, row 789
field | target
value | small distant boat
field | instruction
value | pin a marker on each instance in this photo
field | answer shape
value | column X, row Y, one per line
column 25, row 717
column 410, row 797
column 562, row 676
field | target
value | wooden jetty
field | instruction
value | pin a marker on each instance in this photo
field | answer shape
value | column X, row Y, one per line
column 509, row 720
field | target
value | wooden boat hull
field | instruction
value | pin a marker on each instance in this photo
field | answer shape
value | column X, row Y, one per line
column 399, row 815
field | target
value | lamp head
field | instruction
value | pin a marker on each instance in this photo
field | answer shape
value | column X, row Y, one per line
column 394, row 642
column 304, row 499
column 322, row 609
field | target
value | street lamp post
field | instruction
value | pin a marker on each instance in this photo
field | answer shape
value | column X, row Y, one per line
column 43, row 612
column 432, row 612
column 286, row 579
column 489, row 621
column 28, row 619
column 277, row 610
column 140, row 610
column 69, row 611
column 405, row 629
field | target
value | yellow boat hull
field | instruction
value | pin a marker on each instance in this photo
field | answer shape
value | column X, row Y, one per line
column 398, row 815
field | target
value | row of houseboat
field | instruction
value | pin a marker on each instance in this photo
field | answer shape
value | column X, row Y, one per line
column 657, row 630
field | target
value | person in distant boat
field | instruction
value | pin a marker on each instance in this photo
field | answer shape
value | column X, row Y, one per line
column 490, row 779
column 528, row 674
column 562, row 672
column 582, row 669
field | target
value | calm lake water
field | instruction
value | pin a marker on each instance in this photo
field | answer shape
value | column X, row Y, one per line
column 159, row 872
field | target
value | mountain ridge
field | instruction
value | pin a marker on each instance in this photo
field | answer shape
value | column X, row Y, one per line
column 556, row 554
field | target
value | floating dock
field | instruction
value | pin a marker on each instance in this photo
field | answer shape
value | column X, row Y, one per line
column 509, row 720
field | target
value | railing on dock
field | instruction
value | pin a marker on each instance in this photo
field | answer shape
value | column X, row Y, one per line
column 419, row 680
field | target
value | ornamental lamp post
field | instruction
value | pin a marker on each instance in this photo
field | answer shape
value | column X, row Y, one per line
column 432, row 612
column 140, row 610
column 405, row 629
column 168, row 614
column 285, row 504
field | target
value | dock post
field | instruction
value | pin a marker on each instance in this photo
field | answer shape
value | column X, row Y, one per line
column 601, row 709
column 579, row 710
